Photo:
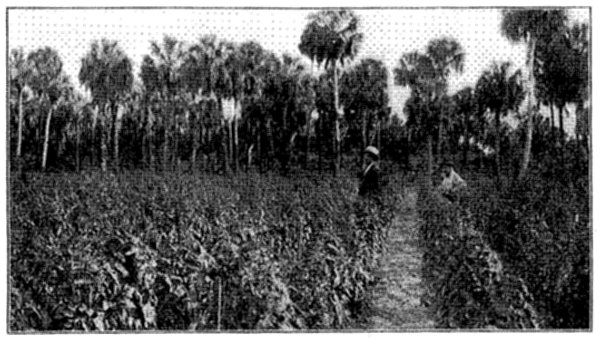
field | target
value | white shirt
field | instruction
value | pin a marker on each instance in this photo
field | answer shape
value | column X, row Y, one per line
column 452, row 183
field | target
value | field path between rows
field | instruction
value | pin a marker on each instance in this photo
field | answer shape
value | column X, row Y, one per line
column 397, row 298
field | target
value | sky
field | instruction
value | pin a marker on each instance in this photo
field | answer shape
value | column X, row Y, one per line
column 388, row 33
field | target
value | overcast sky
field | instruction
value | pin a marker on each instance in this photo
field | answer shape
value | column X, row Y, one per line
column 388, row 33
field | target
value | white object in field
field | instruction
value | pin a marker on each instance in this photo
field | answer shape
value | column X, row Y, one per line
column 452, row 183
column 373, row 150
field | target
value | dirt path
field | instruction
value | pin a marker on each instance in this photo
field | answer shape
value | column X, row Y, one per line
column 397, row 303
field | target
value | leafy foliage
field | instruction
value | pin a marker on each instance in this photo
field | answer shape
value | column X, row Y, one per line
column 467, row 284
column 138, row 251
column 514, row 258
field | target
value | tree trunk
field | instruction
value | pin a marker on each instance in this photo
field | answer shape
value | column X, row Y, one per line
column 289, row 151
column 530, row 110
column 144, row 133
column 150, row 137
column 319, row 138
column 429, row 160
column 308, row 117
column 77, row 142
column 230, row 142
column 379, row 134
column 561, row 124
column 224, row 145
column 497, row 145
column 104, row 140
column 235, row 144
column 307, row 145
column 562, row 135
column 46, row 138
column 259, row 148
column 552, row 118
column 438, row 147
column 271, row 141
column 94, row 148
column 363, row 135
column 284, row 139
column 166, row 126
column 466, row 141
column 175, row 161
column 336, row 104
column 20, row 128
column 195, row 137
column 116, row 139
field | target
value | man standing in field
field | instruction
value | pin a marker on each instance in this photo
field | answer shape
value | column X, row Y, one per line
column 369, row 177
column 452, row 183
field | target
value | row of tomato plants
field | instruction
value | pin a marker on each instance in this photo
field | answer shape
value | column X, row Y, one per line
column 139, row 251
column 514, row 257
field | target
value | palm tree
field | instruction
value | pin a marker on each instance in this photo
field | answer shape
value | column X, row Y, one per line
column 106, row 71
column 332, row 37
column 417, row 71
column 305, row 102
column 500, row 92
column 465, row 106
column 79, row 105
column 160, row 73
column 578, row 36
column 291, row 95
column 50, row 84
column 529, row 26
column 364, row 90
column 559, row 73
column 20, row 77
column 196, row 77
column 243, row 64
column 222, row 83
column 447, row 55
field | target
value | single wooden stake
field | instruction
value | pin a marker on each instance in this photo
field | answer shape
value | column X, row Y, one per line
column 219, row 306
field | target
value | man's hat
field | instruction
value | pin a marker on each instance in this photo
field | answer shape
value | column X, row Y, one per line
column 372, row 150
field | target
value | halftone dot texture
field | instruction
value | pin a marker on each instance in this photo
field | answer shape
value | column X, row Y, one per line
column 388, row 33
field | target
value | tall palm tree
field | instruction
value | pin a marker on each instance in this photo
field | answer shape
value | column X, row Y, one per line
column 20, row 77
column 222, row 83
column 466, row 107
column 578, row 35
column 417, row 71
column 291, row 96
column 196, row 77
column 160, row 73
column 50, row 84
column 364, row 89
column 447, row 56
column 305, row 101
column 529, row 26
column 244, row 65
column 559, row 77
column 79, row 106
column 106, row 71
column 332, row 37
column 499, row 91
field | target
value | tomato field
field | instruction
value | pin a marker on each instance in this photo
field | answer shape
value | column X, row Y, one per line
column 169, row 178
column 142, row 251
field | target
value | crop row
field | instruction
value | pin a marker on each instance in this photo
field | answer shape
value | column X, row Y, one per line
column 514, row 258
column 140, row 251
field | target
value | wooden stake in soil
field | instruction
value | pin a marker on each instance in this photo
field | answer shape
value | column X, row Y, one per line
column 219, row 306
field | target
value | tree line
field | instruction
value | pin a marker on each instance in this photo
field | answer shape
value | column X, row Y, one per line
column 222, row 106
